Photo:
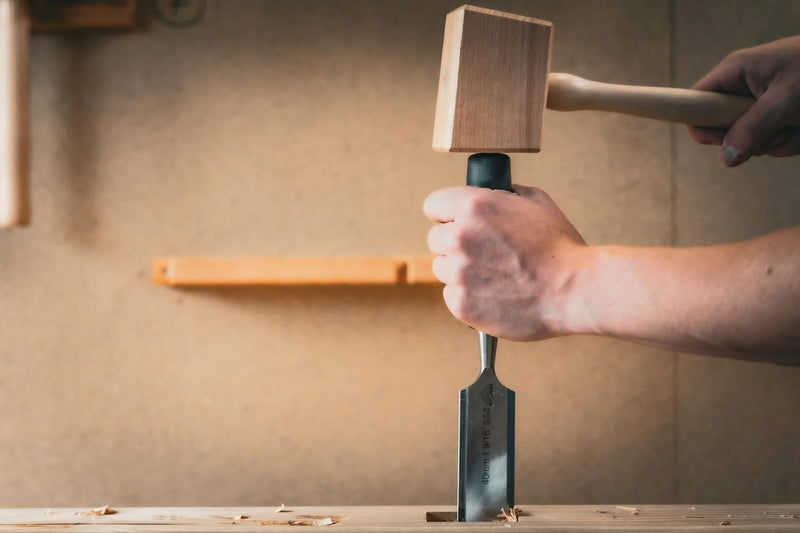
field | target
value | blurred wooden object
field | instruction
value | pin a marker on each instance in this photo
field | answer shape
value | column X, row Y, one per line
column 277, row 271
column 419, row 270
column 14, row 113
column 57, row 15
column 198, row 271
column 17, row 18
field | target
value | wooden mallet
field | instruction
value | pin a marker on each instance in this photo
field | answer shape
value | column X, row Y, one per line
column 493, row 87
column 494, row 83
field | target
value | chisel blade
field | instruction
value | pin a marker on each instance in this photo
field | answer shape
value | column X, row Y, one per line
column 486, row 444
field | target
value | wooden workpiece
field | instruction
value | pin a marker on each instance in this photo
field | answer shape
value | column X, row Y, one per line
column 282, row 271
column 538, row 518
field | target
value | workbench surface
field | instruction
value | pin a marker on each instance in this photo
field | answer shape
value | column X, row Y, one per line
column 539, row 518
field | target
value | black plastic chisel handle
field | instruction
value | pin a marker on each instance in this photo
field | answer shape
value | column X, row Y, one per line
column 490, row 171
column 476, row 500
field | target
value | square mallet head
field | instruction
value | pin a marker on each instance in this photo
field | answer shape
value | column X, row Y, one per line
column 492, row 83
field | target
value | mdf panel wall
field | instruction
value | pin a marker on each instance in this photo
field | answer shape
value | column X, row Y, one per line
column 735, row 438
column 304, row 128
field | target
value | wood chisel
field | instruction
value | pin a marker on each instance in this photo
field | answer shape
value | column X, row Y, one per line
column 486, row 410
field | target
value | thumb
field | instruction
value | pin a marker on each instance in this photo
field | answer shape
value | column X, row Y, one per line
column 756, row 128
column 531, row 193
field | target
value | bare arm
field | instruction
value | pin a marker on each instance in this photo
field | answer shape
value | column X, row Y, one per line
column 739, row 300
column 515, row 267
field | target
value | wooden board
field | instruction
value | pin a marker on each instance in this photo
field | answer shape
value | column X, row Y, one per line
column 492, row 82
column 279, row 271
column 55, row 15
column 419, row 270
column 539, row 518
column 209, row 271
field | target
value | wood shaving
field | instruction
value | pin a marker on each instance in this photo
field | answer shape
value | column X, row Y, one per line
column 725, row 523
column 633, row 510
column 283, row 509
column 305, row 520
column 100, row 511
column 511, row 516
column 232, row 519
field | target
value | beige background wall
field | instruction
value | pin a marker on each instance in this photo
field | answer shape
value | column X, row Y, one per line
column 303, row 128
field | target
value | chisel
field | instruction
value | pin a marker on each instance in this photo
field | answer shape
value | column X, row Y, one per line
column 486, row 409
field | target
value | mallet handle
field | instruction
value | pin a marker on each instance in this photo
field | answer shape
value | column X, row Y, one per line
column 566, row 92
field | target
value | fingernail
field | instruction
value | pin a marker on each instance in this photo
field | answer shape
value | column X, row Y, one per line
column 732, row 157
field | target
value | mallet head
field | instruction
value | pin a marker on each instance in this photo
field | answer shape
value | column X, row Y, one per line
column 492, row 83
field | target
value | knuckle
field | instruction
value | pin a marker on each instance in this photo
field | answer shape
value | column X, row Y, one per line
column 432, row 238
column 788, row 102
column 461, row 238
column 480, row 205
column 475, row 205
column 454, row 299
column 440, row 268
column 539, row 194
column 747, row 136
column 705, row 135
column 738, row 56
column 436, row 237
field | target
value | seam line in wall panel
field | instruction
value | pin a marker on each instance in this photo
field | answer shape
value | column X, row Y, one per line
column 673, row 237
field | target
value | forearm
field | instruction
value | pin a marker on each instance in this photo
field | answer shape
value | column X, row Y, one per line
column 738, row 300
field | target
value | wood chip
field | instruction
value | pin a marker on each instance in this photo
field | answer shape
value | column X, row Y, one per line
column 511, row 516
column 725, row 523
column 100, row 511
column 283, row 509
column 633, row 510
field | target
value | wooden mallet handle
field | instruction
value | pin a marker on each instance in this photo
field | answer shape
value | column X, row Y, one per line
column 567, row 92
column 14, row 127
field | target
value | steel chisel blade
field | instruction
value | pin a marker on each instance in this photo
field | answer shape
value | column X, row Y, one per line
column 485, row 449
